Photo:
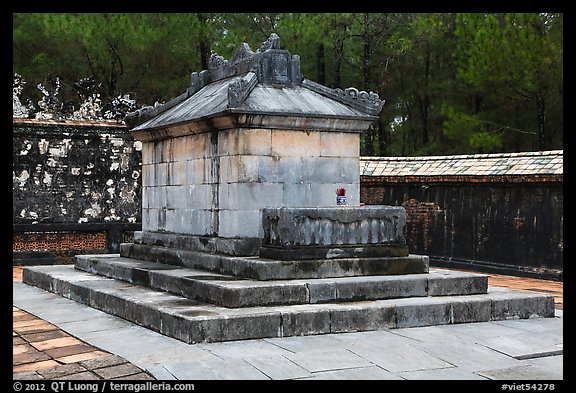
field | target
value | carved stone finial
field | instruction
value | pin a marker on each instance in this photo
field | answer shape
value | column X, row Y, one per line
column 244, row 52
column 369, row 100
column 273, row 42
column 240, row 88
column 216, row 61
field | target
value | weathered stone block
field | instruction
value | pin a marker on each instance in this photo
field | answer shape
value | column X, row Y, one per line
column 240, row 223
column 245, row 141
column 198, row 196
column 361, row 317
column 336, row 169
column 322, row 291
column 413, row 312
column 280, row 169
column 371, row 288
column 455, row 283
column 223, row 328
column 302, row 320
column 178, row 172
column 198, row 171
column 161, row 174
column 177, row 197
column 300, row 227
column 506, row 305
column 175, row 325
column 339, row 144
column 249, row 196
column 471, row 310
column 295, row 143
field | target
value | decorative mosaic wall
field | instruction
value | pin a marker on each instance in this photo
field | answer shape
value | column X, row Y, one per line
column 76, row 188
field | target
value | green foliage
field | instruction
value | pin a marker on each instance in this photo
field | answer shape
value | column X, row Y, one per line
column 453, row 83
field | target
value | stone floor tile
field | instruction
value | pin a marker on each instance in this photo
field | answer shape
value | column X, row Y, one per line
column 520, row 373
column 35, row 366
column 452, row 373
column 35, row 329
column 23, row 348
column 81, row 356
column 400, row 357
column 106, row 360
column 69, row 350
column 27, row 375
column 55, row 343
column 142, row 376
column 278, row 367
column 362, row 373
column 43, row 336
column 61, row 370
column 29, row 357
column 28, row 322
column 87, row 375
column 325, row 360
column 121, row 370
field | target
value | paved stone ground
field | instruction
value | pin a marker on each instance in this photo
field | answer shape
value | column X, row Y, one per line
column 55, row 338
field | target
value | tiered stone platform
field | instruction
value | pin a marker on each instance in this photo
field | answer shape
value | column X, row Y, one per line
column 198, row 296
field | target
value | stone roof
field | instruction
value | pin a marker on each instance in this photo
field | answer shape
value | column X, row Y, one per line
column 265, row 82
column 502, row 164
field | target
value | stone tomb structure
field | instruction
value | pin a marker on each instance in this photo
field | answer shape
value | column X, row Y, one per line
column 241, row 235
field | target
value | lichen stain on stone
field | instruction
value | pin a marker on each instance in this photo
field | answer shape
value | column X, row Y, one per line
column 127, row 195
column 47, row 179
column 26, row 148
column 23, row 178
column 93, row 211
column 43, row 146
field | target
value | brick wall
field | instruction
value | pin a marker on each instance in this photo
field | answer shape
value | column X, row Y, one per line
column 504, row 217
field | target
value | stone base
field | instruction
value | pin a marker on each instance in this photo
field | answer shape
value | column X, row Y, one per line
column 272, row 269
column 234, row 292
column 246, row 246
column 332, row 252
column 194, row 321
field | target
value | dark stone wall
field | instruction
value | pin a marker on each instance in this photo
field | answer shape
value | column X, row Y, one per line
column 509, row 227
column 74, row 177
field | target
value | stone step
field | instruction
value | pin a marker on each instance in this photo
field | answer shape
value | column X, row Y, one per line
column 231, row 291
column 194, row 321
column 270, row 269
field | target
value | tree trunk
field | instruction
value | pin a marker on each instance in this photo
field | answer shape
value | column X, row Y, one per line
column 366, row 55
column 383, row 137
column 320, row 65
column 369, row 134
column 204, row 48
column 424, row 100
column 338, row 49
column 541, row 110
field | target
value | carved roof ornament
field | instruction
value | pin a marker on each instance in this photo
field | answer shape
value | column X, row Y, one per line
column 243, row 53
column 240, row 89
column 216, row 61
column 368, row 102
column 273, row 42
column 269, row 66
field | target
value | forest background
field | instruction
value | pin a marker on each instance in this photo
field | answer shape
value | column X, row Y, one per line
column 453, row 83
